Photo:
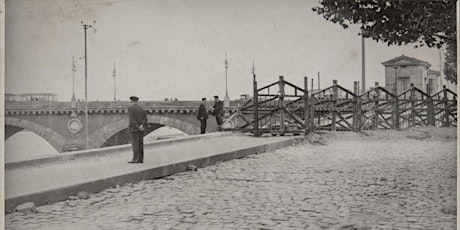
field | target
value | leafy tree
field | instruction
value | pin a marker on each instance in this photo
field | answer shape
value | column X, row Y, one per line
column 450, row 64
column 397, row 22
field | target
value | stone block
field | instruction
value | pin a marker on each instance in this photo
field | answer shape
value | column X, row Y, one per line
column 83, row 195
column 27, row 208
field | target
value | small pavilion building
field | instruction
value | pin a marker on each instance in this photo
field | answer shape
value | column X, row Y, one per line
column 402, row 71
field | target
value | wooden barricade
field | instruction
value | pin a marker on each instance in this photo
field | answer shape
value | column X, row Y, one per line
column 295, row 110
column 378, row 109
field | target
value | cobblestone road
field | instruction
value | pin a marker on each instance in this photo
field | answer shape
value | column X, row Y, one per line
column 353, row 181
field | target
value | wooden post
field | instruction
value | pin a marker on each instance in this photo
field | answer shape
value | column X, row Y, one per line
column 358, row 114
column 281, row 104
column 319, row 87
column 334, row 103
column 355, row 107
column 256, row 109
column 356, row 87
column 396, row 113
column 412, row 104
column 375, row 119
column 446, row 107
column 430, row 111
column 311, row 87
column 312, row 103
column 306, row 106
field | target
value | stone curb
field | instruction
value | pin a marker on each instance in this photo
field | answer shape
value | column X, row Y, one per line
column 103, row 151
column 97, row 185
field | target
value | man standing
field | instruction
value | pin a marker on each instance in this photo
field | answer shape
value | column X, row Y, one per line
column 202, row 115
column 218, row 110
column 137, row 121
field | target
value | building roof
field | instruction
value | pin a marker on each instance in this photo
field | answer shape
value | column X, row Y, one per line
column 405, row 61
column 434, row 72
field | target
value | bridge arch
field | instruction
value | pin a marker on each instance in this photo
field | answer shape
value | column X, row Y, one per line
column 100, row 136
column 56, row 140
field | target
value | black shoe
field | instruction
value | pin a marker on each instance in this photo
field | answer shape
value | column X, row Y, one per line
column 133, row 162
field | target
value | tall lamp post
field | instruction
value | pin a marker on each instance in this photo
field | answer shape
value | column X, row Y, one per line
column 363, row 75
column 74, row 69
column 226, row 99
column 85, row 27
column 396, row 80
column 114, row 75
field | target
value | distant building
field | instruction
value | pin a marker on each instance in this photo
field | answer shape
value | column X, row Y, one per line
column 402, row 71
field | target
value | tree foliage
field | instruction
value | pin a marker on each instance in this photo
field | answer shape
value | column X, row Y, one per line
column 398, row 22
column 450, row 64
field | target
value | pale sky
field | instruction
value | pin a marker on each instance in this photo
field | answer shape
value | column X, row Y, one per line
column 176, row 48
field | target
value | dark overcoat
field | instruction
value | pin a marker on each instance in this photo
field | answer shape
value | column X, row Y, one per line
column 137, row 117
column 202, row 113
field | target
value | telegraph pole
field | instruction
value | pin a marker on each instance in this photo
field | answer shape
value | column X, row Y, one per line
column 363, row 77
column 85, row 27
column 74, row 69
column 253, row 72
column 114, row 83
column 226, row 99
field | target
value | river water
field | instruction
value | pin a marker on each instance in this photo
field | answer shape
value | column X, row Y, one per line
column 26, row 144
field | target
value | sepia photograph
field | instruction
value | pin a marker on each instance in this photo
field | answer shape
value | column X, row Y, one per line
column 229, row 114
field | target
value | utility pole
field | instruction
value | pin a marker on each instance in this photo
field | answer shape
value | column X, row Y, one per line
column 226, row 99
column 396, row 80
column 363, row 77
column 85, row 27
column 74, row 69
column 253, row 71
column 114, row 75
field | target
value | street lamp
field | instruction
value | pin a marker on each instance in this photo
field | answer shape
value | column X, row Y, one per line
column 85, row 27
column 114, row 75
column 226, row 99
column 74, row 69
column 363, row 74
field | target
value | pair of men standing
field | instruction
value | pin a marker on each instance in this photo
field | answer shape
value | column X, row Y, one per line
column 217, row 110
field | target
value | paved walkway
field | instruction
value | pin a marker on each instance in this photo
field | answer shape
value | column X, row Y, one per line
column 351, row 182
column 63, row 178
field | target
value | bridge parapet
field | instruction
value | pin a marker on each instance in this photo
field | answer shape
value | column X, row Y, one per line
column 119, row 107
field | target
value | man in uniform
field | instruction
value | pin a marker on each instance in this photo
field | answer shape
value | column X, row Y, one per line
column 218, row 110
column 202, row 115
column 137, row 121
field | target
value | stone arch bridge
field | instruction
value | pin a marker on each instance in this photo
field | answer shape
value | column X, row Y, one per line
column 62, row 124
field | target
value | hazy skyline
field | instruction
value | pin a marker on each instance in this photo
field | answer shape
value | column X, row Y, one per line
column 176, row 49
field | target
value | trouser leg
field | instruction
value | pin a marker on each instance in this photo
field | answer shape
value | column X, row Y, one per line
column 203, row 126
column 135, row 144
column 141, row 147
column 219, row 119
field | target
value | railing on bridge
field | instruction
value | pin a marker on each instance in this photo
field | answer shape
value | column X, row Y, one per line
column 292, row 109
